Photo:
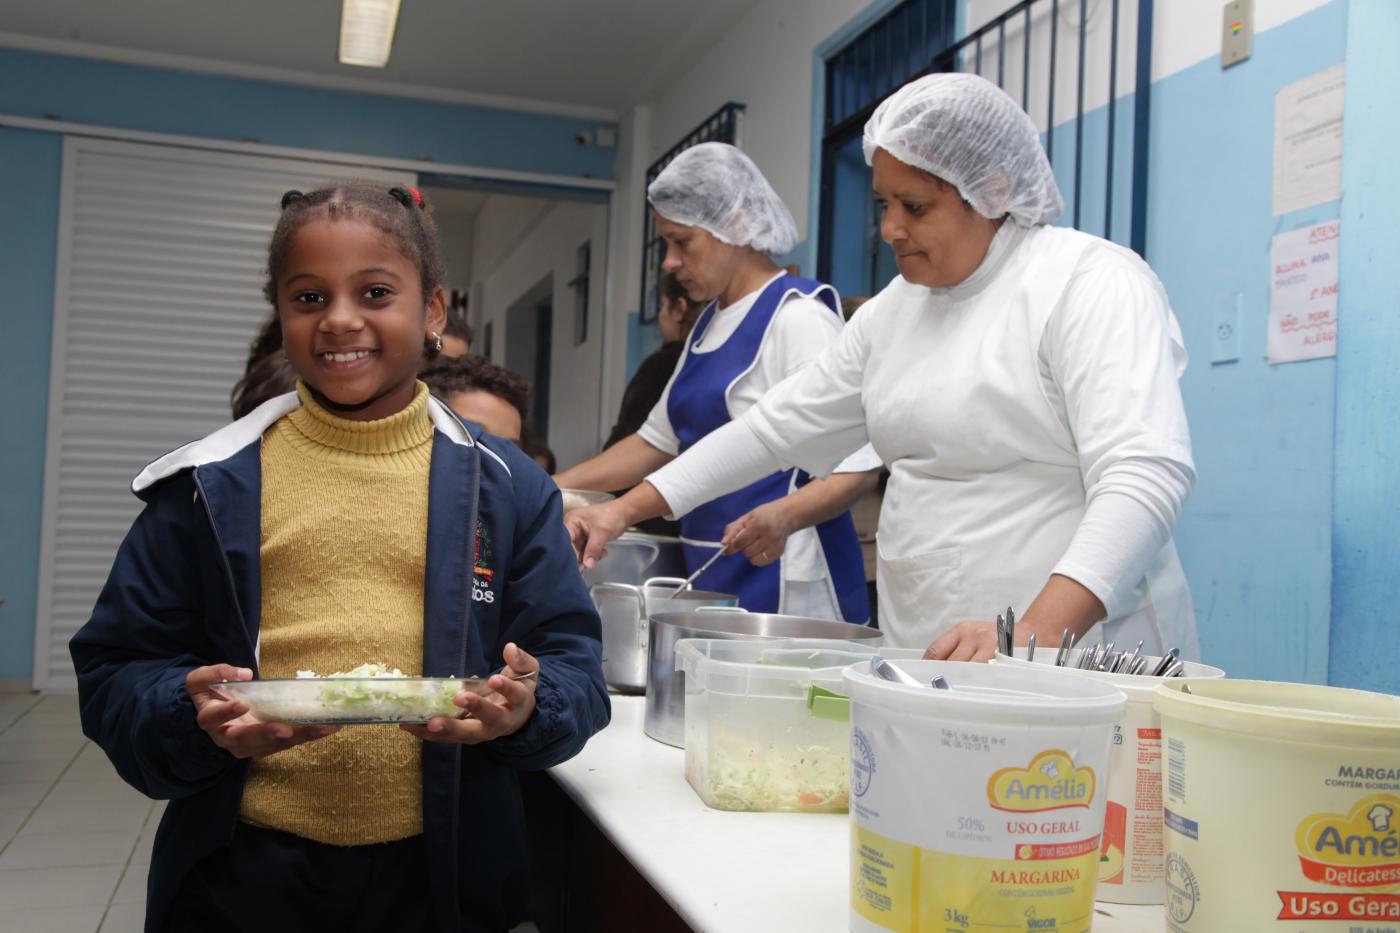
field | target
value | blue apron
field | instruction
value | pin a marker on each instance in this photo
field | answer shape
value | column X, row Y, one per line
column 697, row 405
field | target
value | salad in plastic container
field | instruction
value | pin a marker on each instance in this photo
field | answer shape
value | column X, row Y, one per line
column 368, row 694
column 767, row 726
column 742, row 774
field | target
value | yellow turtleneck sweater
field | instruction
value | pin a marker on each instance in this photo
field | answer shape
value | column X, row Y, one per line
column 344, row 541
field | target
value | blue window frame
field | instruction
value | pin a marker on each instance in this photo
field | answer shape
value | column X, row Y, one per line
column 896, row 48
column 1103, row 178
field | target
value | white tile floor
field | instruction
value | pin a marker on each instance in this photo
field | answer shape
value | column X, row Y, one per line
column 75, row 840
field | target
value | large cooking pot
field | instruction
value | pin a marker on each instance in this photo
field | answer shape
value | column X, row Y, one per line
column 665, row 712
column 625, row 609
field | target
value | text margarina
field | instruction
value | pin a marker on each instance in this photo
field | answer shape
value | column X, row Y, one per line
column 1369, row 774
column 1057, row 876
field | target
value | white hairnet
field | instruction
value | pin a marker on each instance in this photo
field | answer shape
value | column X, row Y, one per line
column 968, row 132
column 717, row 188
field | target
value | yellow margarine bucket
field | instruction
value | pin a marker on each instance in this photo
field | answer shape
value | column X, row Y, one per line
column 1131, row 866
column 1282, row 807
column 979, row 807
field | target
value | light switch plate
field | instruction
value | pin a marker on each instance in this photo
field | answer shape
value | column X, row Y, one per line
column 1225, row 330
column 1236, row 32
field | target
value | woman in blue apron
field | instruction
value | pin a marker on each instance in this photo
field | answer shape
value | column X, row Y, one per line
column 791, row 546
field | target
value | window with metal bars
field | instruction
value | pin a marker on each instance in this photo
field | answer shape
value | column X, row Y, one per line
column 1049, row 55
column 722, row 126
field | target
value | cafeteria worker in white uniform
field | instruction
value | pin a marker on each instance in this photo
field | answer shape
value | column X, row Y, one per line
column 1019, row 381
column 790, row 543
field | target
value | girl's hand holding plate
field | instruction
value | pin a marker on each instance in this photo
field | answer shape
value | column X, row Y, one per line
column 502, row 712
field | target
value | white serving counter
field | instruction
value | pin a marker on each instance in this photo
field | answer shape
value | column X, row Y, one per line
column 729, row 872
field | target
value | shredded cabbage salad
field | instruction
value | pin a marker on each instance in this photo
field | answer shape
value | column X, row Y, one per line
column 371, row 694
column 744, row 776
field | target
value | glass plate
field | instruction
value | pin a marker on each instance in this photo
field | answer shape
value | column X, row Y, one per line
column 348, row 701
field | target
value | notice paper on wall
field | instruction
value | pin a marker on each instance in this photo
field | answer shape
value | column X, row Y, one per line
column 1303, row 293
column 1308, row 141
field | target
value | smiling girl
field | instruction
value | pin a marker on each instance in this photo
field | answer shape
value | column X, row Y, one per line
column 356, row 519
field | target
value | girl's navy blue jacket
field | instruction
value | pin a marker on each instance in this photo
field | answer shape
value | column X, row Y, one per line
column 184, row 592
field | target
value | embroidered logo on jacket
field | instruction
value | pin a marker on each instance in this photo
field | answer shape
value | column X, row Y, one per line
column 483, row 556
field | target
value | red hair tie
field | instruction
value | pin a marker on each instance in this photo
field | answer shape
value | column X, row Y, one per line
column 417, row 196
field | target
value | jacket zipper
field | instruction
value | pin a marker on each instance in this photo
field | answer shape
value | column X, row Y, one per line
column 228, row 570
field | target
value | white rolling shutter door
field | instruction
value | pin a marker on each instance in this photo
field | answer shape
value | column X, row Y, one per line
column 161, row 258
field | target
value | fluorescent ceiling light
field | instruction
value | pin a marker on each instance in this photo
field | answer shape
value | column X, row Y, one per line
column 367, row 31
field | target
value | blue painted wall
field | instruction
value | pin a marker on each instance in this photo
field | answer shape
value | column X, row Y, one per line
column 29, row 165
column 1365, row 645
column 131, row 97
column 1255, row 537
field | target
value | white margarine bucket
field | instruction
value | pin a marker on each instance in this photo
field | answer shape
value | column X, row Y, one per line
column 1131, row 863
column 978, row 807
column 1282, row 807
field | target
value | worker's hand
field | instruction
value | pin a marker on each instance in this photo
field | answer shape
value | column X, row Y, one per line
column 501, row 712
column 592, row 527
column 232, row 726
column 967, row 641
column 761, row 535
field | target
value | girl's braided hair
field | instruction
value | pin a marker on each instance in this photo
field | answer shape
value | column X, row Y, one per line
column 400, row 213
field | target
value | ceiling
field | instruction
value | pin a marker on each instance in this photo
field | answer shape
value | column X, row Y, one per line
column 593, row 57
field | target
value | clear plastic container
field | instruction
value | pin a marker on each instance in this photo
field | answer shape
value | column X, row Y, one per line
column 767, row 723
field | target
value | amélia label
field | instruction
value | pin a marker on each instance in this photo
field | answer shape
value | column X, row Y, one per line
column 1020, row 852
column 1359, row 849
column 1049, row 782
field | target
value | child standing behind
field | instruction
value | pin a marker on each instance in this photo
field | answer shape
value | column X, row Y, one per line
column 355, row 520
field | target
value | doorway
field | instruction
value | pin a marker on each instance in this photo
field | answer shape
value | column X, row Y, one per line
column 529, row 262
column 529, row 346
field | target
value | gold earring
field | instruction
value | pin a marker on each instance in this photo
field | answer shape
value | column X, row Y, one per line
column 437, row 341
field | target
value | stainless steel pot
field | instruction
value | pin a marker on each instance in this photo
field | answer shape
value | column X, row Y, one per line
column 665, row 712
column 625, row 609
